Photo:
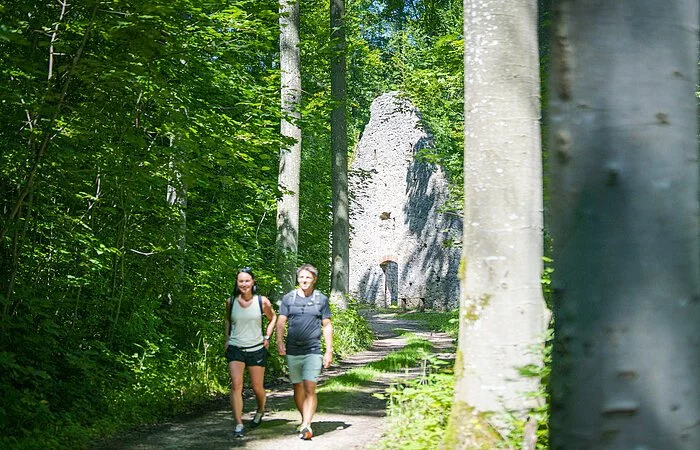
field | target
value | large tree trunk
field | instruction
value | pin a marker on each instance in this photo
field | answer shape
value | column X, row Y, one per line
column 340, row 270
column 290, row 155
column 502, row 310
column 625, row 225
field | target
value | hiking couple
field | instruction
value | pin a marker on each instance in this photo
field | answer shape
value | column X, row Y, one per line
column 307, row 316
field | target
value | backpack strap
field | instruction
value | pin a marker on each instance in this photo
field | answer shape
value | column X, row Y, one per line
column 229, row 307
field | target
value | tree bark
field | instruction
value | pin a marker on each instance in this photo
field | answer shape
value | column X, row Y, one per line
column 625, row 225
column 340, row 261
column 502, row 310
column 290, row 154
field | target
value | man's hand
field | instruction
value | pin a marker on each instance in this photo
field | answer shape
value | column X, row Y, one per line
column 327, row 359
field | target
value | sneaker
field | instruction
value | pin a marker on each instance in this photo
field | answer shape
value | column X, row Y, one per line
column 306, row 433
column 238, row 431
column 257, row 420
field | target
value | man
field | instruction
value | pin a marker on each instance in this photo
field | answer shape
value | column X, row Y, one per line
column 309, row 316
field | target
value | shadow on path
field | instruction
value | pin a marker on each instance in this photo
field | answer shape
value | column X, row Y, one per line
column 344, row 420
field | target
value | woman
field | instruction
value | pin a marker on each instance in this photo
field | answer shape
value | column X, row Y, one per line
column 309, row 318
column 245, row 344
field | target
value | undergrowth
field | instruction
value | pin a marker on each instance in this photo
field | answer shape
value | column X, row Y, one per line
column 419, row 409
column 351, row 331
column 152, row 384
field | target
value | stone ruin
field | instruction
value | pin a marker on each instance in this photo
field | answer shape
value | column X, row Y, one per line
column 400, row 252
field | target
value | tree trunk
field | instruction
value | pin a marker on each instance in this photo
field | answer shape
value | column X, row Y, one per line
column 290, row 155
column 625, row 225
column 177, row 198
column 502, row 310
column 340, row 270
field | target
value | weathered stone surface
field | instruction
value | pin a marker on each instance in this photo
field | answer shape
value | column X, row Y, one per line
column 398, row 232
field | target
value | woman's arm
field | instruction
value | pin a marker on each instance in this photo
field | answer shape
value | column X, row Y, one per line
column 272, row 320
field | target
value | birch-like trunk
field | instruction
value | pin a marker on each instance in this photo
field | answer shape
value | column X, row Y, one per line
column 340, row 260
column 290, row 156
column 502, row 312
column 177, row 198
column 625, row 224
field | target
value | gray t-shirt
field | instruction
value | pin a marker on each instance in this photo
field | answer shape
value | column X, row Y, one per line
column 304, row 315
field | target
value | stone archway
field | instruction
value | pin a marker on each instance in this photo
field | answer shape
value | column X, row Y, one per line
column 390, row 268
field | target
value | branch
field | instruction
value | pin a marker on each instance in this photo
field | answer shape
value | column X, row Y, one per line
column 54, row 35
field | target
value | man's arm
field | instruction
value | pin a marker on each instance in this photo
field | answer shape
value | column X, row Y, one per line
column 281, row 322
column 328, row 338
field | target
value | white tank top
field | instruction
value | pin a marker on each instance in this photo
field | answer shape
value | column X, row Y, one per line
column 247, row 325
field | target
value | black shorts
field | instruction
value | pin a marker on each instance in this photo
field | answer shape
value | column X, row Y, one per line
column 254, row 358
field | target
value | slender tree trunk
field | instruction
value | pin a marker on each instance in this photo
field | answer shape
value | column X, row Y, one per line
column 625, row 225
column 340, row 270
column 290, row 154
column 177, row 197
column 502, row 310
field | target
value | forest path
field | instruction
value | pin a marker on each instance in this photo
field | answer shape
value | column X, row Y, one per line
column 343, row 420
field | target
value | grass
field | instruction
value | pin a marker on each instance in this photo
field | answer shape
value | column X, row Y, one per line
column 349, row 381
column 438, row 321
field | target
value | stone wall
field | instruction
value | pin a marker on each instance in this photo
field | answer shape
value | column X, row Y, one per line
column 398, row 232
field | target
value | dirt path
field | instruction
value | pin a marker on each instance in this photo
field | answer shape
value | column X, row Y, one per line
column 344, row 420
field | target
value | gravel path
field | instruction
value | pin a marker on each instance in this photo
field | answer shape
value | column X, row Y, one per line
column 344, row 420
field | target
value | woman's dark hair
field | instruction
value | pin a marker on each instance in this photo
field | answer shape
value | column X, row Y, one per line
column 249, row 271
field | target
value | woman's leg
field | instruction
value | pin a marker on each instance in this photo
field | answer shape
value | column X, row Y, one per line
column 257, row 378
column 236, row 371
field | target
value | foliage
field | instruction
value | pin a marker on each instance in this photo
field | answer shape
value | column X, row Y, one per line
column 419, row 409
column 351, row 331
column 134, row 181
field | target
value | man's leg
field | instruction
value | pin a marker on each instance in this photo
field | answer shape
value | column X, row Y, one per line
column 299, row 398
column 310, row 401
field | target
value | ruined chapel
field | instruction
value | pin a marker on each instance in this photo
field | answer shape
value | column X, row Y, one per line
column 402, row 248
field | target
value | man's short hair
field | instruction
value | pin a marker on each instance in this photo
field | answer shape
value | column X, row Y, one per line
column 309, row 268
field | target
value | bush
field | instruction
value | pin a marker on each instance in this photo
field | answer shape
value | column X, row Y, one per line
column 351, row 331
